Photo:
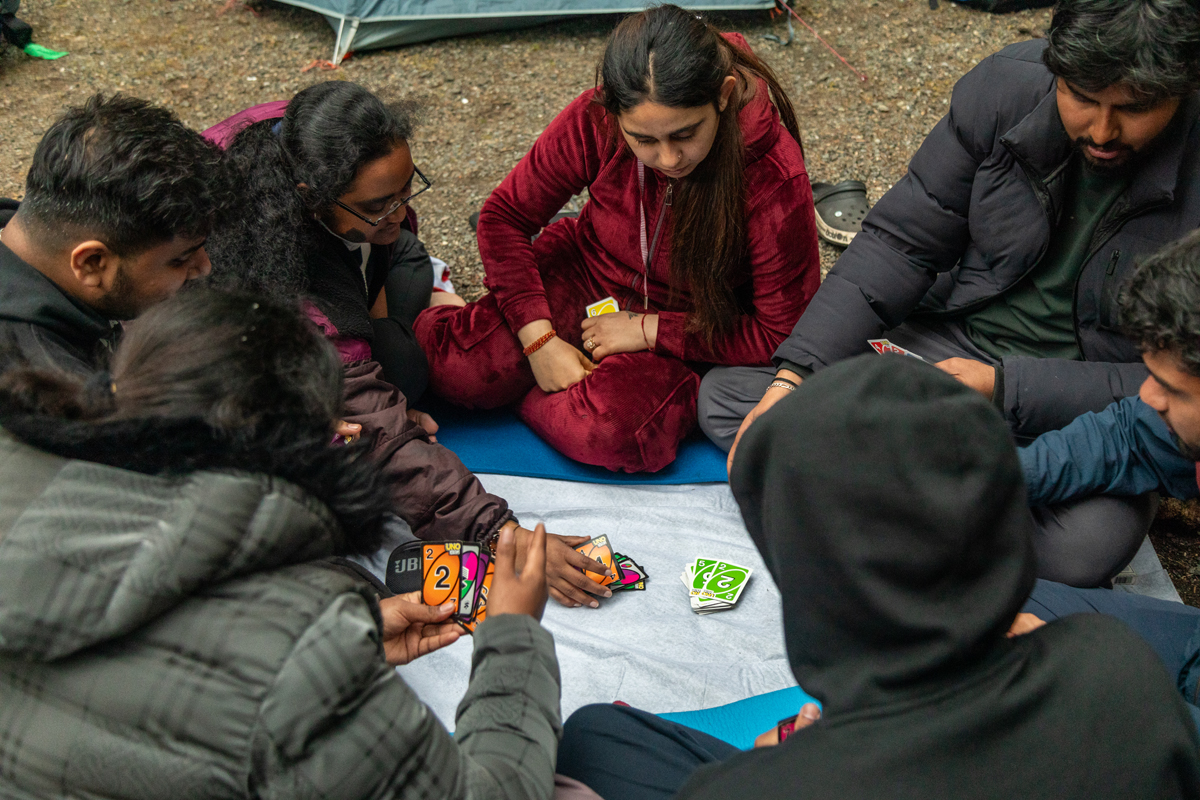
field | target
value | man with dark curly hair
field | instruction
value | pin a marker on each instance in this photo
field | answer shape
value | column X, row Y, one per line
column 1000, row 254
column 118, row 202
column 1150, row 442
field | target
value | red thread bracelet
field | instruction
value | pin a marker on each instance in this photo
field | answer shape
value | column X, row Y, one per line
column 649, row 346
column 538, row 343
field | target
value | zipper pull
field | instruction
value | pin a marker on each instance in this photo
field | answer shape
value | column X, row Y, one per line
column 670, row 191
column 1112, row 262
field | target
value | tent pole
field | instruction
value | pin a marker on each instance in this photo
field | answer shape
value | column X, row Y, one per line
column 339, row 52
column 337, row 43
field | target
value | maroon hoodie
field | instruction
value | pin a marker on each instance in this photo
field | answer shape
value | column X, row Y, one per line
column 781, row 271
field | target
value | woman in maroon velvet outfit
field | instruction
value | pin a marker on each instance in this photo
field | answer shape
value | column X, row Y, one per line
column 699, row 223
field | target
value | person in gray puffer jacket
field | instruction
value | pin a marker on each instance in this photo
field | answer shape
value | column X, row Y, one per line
column 170, row 624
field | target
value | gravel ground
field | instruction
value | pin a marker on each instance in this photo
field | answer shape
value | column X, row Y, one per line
column 485, row 98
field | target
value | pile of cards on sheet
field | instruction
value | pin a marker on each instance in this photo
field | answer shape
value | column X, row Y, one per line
column 626, row 573
column 714, row 584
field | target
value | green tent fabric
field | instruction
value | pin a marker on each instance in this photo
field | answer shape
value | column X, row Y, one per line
column 368, row 24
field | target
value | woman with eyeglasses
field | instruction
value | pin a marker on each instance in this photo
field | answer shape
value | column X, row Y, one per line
column 321, row 187
column 319, row 213
column 698, row 234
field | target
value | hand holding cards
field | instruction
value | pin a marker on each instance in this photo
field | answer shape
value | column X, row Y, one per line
column 464, row 573
column 714, row 584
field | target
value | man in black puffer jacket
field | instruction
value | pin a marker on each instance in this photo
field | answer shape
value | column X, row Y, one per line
column 1001, row 253
column 118, row 203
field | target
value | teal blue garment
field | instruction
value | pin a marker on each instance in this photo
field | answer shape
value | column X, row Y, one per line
column 1037, row 317
column 740, row 723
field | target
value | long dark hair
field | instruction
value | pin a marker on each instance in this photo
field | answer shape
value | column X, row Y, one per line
column 210, row 380
column 327, row 134
column 670, row 56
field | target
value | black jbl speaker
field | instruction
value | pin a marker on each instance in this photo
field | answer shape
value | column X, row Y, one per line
column 404, row 568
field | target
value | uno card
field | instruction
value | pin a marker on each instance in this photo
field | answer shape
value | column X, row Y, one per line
column 632, row 575
column 725, row 582
column 470, row 572
column 882, row 346
column 606, row 306
column 440, row 572
column 599, row 550
column 701, row 571
column 485, row 586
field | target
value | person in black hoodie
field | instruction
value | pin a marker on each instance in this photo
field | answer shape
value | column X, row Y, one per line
column 903, row 569
column 118, row 202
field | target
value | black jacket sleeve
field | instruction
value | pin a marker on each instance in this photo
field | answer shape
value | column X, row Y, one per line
column 1046, row 394
column 917, row 230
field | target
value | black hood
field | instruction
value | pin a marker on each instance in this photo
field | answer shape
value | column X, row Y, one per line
column 888, row 503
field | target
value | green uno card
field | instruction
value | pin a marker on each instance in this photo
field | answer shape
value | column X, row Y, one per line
column 701, row 570
column 725, row 582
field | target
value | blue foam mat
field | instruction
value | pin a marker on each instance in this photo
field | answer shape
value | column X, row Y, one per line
column 740, row 723
column 496, row 442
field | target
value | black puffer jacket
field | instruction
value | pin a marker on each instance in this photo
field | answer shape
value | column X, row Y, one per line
column 974, row 215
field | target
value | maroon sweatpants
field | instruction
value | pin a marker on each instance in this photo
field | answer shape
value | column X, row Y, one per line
column 629, row 415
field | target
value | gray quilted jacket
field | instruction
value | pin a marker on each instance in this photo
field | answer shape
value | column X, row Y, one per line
column 165, row 638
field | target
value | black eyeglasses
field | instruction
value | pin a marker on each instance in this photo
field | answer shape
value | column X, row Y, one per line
column 392, row 210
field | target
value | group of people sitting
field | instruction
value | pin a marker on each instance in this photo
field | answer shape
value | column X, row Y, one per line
column 185, row 473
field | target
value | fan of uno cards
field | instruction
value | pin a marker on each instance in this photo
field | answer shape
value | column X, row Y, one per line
column 626, row 573
column 458, row 571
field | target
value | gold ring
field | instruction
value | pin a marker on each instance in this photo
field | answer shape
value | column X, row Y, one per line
column 589, row 344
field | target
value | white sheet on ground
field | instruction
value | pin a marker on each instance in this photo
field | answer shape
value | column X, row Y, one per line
column 646, row 648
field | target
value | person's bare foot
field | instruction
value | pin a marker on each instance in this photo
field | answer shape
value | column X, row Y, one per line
column 445, row 299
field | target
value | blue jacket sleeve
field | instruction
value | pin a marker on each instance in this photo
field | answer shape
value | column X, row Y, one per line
column 1126, row 449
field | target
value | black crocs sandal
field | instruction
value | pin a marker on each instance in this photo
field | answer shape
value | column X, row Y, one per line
column 840, row 210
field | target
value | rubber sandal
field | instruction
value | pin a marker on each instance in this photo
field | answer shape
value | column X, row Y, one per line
column 840, row 210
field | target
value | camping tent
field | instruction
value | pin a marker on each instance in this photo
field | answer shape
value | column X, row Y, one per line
column 367, row 24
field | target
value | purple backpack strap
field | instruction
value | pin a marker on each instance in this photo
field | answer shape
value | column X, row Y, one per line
column 224, row 131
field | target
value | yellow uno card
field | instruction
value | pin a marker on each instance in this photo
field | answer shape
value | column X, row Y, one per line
column 606, row 306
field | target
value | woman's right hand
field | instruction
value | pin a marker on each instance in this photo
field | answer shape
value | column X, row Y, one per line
column 523, row 593
column 557, row 365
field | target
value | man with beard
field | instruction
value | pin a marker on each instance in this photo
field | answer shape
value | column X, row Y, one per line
column 1150, row 442
column 118, row 203
column 1000, row 255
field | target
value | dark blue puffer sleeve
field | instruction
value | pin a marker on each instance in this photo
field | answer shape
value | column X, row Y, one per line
column 917, row 230
column 1126, row 449
column 1045, row 394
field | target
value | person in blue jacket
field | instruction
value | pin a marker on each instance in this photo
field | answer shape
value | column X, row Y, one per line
column 1147, row 443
